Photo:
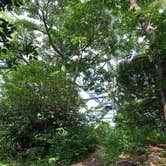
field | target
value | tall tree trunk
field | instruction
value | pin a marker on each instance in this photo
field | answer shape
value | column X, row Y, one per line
column 160, row 68
column 161, row 78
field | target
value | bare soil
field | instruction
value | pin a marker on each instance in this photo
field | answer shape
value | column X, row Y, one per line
column 92, row 160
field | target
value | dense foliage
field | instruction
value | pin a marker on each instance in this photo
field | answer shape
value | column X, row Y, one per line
column 41, row 115
column 139, row 98
column 51, row 50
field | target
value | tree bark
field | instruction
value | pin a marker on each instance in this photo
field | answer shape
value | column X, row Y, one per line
column 63, row 68
column 161, row 78
column 160, row 68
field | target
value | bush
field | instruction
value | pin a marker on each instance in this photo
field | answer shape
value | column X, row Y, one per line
column 73, row 145
column 62, row 146
column 112, row 143
column 137, row 141
column 40, row 118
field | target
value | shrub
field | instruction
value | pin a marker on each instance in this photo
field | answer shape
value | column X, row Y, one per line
column 112, row 143
column 40, row 118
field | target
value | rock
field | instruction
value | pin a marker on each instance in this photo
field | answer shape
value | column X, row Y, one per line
column 154, row 159
column 142, row 158
column 155, row 148
column 151, row 164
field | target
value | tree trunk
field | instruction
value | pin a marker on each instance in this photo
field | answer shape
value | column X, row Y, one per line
column 161, row 78
column 63, row 68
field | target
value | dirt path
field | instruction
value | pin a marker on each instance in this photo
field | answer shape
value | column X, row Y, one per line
column 156, row 156
column 92, row 160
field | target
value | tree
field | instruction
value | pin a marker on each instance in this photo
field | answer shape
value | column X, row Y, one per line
column 6, row 27
column 79, row 37
column 66, row 41
column 155, row 35
column 9, row 4
column 139, row 97
column 73, row 33
column 22, row 48
column 35, row 99
column 36, row 118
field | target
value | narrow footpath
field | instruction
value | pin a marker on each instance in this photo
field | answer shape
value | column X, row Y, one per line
column 156, row 156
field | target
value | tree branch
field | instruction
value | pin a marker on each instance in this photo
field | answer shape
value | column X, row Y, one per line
column 43, row 18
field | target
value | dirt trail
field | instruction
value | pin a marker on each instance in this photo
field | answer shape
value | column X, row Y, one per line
column 92, row 160
column 156, row 156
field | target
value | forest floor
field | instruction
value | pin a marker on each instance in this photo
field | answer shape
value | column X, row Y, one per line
column 91, row 160
column 156, row 156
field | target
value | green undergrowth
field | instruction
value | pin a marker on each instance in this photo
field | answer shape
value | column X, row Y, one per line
column 116, row 141
column 65, row 148
column 62, row 149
